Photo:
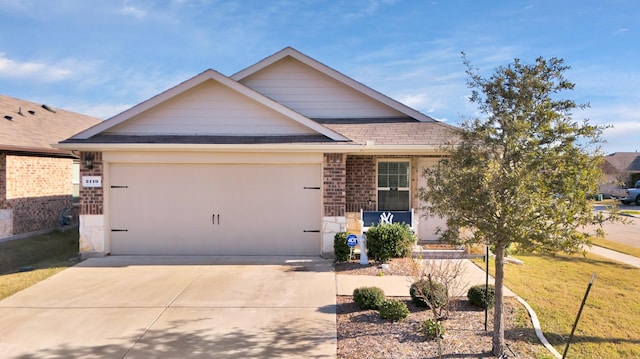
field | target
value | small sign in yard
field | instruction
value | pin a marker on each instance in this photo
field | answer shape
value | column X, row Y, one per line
column 352, row 240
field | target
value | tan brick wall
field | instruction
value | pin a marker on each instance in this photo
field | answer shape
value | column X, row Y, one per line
column 3, row 180
column 334, row 179
column 91, row 198
column 37, row 189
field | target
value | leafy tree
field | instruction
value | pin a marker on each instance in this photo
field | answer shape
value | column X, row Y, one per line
column 521, row 173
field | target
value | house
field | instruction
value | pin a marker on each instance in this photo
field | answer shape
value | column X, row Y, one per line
column 621, row 169
column 273, row 160
column 36, row 180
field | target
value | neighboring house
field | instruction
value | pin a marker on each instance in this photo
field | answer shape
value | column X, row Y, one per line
column 621, row 169
column 36, row 180
column 274, row 160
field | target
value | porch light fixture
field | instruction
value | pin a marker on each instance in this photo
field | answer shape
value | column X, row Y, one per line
column 88, row 161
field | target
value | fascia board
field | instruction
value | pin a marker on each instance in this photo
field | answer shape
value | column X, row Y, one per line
column 302, row 148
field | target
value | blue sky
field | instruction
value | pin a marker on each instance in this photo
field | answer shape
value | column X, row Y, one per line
column 102, row 57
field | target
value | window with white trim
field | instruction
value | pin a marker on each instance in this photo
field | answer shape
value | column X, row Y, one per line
column 393, row 186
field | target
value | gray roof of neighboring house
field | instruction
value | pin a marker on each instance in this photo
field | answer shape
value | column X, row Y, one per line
column 624, row 161
column 30, row 127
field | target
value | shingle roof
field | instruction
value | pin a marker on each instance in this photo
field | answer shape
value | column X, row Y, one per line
column 403, row 133
column 624, row 161
column 29, row 127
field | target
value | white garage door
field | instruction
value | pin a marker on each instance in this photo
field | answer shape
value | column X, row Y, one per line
column 191, row 209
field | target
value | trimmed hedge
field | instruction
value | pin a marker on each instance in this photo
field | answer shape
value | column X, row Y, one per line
column 393, row 310
column 368, row 297
column 425, row 294
column 386, row 241
column 340, row 247
column 476, row 295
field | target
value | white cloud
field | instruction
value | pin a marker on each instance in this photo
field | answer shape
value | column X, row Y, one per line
column 133, row 11
column 47, row 72
column 102, row 111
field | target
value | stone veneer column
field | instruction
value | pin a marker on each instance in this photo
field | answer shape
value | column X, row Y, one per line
column 91, row 208
column 334, row 199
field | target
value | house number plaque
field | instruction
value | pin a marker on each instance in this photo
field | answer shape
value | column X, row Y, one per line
column 91, row 181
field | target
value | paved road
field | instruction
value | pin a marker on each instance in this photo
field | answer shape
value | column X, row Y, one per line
column 628, row 234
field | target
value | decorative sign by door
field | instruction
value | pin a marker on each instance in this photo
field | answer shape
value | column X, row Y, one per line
column 352, row 240
column 91, row 181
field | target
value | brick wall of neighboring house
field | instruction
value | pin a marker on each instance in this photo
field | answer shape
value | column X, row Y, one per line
column 3, row 180
column 37, row 190
column 334, row 178
column 91, row 198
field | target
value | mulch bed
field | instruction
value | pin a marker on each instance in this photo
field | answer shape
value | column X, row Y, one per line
column 363, row 334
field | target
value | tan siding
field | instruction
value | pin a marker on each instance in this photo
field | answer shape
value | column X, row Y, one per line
column 211, row 109
column 314, row 94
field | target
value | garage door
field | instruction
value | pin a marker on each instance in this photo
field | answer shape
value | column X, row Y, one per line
column 178, row 209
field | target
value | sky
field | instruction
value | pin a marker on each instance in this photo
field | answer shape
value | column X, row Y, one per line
column 101, row 57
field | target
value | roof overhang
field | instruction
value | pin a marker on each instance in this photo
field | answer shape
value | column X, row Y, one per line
column 372, row 149
column 36, row 151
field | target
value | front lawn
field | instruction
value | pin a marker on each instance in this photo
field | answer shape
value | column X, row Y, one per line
column 555, row 285
column 39, row 257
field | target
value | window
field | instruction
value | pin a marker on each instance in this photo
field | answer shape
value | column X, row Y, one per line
column 393, row 186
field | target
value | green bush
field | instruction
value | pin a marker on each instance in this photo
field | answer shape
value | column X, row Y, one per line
column 393, row 310
column 368, row 297
column 340, row 247
column 386, row 241
column 432, row 329
column 476, row 295
column 425, row 294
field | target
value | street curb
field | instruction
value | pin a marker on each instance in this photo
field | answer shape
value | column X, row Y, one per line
column 536, row 325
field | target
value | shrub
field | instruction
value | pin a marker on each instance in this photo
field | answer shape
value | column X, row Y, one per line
column 476, row 295
column 425, row 294
column 340, row 247
column 393, row 310
column 386, row 241
column 368, row 297
column 432, row 329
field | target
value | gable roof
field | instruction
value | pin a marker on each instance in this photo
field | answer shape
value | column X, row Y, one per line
column 195, row 81
column 28, row 127
column 336, row 75
column 623, row 162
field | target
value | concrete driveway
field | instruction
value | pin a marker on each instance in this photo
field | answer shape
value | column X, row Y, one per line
column 176, row 307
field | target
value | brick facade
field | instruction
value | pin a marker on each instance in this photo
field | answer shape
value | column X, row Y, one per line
column 361, row 183
column 35, row 189
column 91, row 198
column 361, row 172
column 334, row 178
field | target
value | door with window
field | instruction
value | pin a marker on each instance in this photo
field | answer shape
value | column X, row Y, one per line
column 393, row 185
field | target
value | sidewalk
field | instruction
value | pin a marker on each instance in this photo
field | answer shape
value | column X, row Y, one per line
column 615, row 256
column 398, row 286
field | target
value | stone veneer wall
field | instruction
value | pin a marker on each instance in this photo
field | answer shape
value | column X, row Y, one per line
column 34, row 190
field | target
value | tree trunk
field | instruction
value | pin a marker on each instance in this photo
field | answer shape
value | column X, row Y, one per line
column 498, row 323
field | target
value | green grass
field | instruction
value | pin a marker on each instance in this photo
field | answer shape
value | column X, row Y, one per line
column 554, row 287
column 47, row 254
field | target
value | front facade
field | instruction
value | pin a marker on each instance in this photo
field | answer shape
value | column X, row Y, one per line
column 37, row 181
column 274, row 160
